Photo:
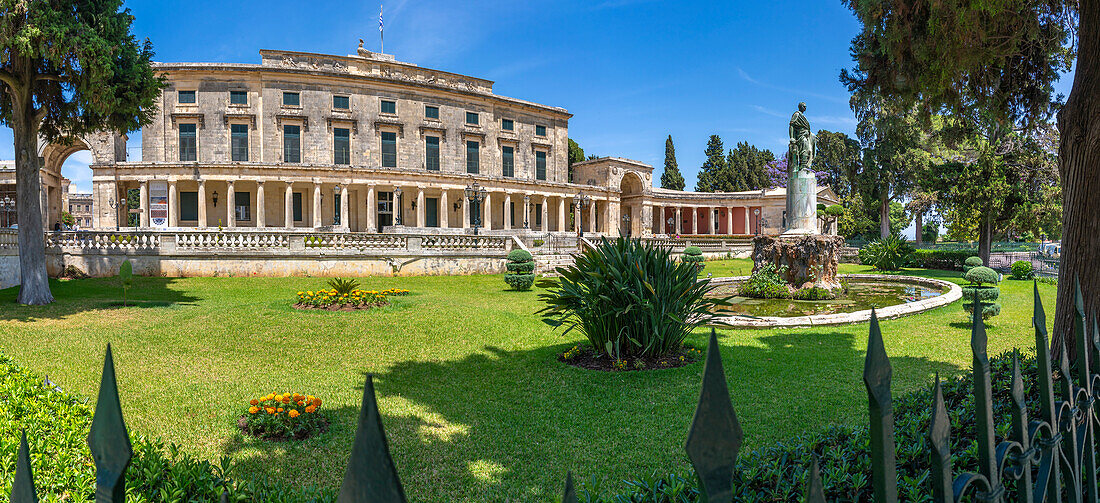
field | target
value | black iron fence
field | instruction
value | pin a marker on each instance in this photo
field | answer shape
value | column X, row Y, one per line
column 1049, row 458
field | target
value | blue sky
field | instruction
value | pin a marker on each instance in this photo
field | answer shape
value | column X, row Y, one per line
column 631, row 71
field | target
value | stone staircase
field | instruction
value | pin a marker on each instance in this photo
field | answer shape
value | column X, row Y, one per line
column 545, row 264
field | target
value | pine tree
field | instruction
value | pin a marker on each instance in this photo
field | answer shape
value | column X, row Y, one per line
column 737, row 171
column 712, row 171
column 671, row 178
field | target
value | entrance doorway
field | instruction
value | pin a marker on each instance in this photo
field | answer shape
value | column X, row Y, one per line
column 385, row 210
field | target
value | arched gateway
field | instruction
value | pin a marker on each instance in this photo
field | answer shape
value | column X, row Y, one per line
column 106, row 148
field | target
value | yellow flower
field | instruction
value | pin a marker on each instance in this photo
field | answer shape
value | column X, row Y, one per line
column 294, row 413
column 253, row 410
column 253, row 402
column 310, row 293
column 270, row 410
column 280, row 409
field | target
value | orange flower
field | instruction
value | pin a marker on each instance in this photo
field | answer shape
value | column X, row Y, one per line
column 294, row 413
column 253, row 402
column 317, row 402
column 286, row 399
column 253, row 410
column 270, row 410
column 301, row 403
column 310, row 409
column 280, row 409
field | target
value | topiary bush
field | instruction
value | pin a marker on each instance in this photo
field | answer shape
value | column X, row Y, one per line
column 982, row 288
column 630, row 299
column 521, row 270
column 886, row 254
column 766, row 282
column 1022, row 269
column 693, row 255
column 950, row 260
column 971, row 263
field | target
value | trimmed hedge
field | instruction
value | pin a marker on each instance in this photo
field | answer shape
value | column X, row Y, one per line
column 1022, row 269
column 521, row 270
column 971, row 263
column 693, row 254
column 950, row 260
column 57, row 425
column 983, row 281
column 779, row 472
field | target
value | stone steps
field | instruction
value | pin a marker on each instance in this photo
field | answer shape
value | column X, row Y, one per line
column 545, row 264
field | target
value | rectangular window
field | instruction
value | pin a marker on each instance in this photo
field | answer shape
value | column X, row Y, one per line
column 242, row 206
column 507, row 125
column 538, row 215
column 431, row 212
column 540, row 165
column 189, row 150
column 341, row 102
column 473, row 150
column 291, row 99
column 431, row 112
column 508, row 156
column 292, row 143
column 186, row 97
column 472, row 118
column 540, row 130
column 238, row 97
column 297, row 204
column 238, row 141
column 389, row 107
column 189, row 206
column 341, row 146
column 431, row 153
column 389, row 149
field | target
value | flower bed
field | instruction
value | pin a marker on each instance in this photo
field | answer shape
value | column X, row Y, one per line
column 332, row 300
column 587, row 358
column 283, row 417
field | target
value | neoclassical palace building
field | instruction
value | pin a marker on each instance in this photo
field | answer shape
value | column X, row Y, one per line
column 365, row 143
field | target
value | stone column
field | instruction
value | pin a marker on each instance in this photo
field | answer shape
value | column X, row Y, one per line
column 592, row 223
column 202, row 204
column 230, row 205
column 144, row 198
column 345, row 218
column 507, row 211
column 465, row 212
column 607, row 217
column 361, row 207
column 678, row 228
column 545, row 214
column 561, row 214
column 748, row 227
column 288, row 208
column 173, row 204
column 444, row 210
column 261, row 205
column 316, row 205
column 487, row 212
column 372, row 209
column 421, row 211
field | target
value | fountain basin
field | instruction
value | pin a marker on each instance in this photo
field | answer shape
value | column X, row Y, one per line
column 923, row 294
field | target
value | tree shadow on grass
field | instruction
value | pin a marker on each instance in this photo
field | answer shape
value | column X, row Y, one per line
column 506, row 425
column 80, row 295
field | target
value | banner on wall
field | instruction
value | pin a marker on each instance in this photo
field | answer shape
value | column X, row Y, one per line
column 158, row 204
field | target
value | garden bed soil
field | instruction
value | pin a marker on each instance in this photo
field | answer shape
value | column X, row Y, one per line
column 587, row 358
column 340, row 307
column 242, row 424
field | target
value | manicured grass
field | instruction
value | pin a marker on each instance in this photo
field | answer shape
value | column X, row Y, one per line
column 476, row 406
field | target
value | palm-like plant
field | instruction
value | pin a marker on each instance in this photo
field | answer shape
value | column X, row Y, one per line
column 630, row 299
column 343, row 286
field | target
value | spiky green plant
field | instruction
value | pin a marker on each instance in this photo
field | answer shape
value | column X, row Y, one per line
column 343, row 286
column 630, row 299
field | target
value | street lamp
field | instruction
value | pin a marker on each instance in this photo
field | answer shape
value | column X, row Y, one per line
column 475, row 194
column 336, row 216
column 626, row 225
column 7, row 205
column 757, row 213
column 580, row 202
column 671, row 229
column 397, row 206
column 526, row 213
column 114, row 206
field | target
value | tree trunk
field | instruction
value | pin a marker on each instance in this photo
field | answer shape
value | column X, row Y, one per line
column 884, row 218
column 1079, row 166
column 919, row 217
column 985, row 237
column 34, row 285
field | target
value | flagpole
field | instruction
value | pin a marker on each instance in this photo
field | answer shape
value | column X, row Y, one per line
column 381, row 29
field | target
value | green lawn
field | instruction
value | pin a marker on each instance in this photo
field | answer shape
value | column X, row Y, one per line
column 476, row 406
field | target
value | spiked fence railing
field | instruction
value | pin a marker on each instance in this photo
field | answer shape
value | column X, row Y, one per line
column 1048, row 459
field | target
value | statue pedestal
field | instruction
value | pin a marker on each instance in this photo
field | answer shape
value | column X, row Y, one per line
column 810, row 259
column 801, row 204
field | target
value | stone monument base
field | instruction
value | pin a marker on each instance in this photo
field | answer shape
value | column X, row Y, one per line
column 811, row 260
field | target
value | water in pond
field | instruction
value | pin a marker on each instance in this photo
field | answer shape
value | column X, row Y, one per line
column 860, row 297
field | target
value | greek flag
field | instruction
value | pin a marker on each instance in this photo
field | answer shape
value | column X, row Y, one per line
column 379, row 17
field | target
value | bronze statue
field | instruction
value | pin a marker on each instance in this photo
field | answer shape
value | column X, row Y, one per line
column 801, row 152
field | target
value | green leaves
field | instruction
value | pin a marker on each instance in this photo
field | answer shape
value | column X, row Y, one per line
column 343, row 286
column 629, row 299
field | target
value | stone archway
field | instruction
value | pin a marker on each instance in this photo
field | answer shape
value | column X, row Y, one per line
column 631, row 190
column 106, row 148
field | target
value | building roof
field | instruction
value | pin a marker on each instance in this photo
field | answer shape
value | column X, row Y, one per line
column 621, row 160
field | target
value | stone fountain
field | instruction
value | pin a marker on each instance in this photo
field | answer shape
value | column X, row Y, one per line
column 810, row 258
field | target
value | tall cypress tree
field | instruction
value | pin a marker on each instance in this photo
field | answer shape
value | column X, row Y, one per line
column 671, row 178
column 711, row 173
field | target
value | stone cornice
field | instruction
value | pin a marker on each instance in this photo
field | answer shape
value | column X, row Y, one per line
column 198, row 117
column 237, row 116
column 280, row 118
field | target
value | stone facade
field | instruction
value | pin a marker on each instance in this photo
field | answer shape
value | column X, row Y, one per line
column 81, row 206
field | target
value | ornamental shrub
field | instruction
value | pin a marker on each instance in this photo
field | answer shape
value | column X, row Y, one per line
column 630, row 299
column 982, row 288
column 971, row 263
column 766, row 282
column 887, row 254
column 950, row 260
column 521, row 270
column 1022, row 269
column 343, row 286
column 694, row 255
column 779, row 472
